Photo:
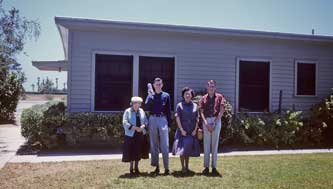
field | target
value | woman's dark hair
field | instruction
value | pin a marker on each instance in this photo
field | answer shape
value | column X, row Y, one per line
column 185, row 89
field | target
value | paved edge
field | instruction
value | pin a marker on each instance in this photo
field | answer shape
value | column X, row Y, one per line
column 60, row 158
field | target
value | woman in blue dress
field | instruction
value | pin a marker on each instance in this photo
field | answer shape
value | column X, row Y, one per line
column 186, row 143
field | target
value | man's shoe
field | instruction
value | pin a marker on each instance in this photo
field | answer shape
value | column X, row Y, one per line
column 137, row 171
column 167, row 172
column 156, row 171
column 205, row 171
column 215, row 172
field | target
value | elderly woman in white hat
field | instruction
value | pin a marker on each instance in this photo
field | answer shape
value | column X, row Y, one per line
column 134, row 123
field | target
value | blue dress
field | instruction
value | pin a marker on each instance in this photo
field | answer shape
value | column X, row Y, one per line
column 186, row 145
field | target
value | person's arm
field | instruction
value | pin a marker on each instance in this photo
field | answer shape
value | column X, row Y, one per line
column 144, row 121
column 168, row 109
column 126, row 123
column 201, row 111
column 179, row 124
column 219, row 116
column 148, row 103
column 197, row 120
column 196, row 125
column 205, row 123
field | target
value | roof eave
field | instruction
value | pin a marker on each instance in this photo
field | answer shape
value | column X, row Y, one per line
column 89, row 24
column 60, row 65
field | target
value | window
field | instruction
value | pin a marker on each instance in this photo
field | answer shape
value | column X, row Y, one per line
column 253, row 86
column 152, row 67
column 305, row 78
column 113, row 82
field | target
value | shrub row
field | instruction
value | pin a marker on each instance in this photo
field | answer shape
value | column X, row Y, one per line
column 49, row 126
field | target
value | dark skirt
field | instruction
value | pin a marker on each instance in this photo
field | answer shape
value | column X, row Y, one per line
column 135, row 147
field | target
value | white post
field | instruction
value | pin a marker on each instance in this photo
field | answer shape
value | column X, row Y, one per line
column 135, row 75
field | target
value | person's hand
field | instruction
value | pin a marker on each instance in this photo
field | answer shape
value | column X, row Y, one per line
column 138, row 129
column 183, row 132
column 213, row 125
column 210, row 127
column 194, row 132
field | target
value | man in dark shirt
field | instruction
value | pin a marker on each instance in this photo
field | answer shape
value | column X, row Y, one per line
column 158, row 104
column 211, row 110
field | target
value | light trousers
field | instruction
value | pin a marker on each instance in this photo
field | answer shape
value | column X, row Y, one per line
column 211, row 142
column 159, row 140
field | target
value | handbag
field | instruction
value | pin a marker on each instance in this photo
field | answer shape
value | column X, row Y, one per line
column 199, row 134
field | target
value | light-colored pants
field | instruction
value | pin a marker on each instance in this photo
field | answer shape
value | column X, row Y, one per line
column 159, row 140
column 211, row 142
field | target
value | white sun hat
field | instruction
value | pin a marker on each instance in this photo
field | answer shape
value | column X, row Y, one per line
column 136, row 99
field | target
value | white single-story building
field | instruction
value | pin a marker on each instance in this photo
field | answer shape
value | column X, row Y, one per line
column 109, row 61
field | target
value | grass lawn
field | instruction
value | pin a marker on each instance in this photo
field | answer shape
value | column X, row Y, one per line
column 277, row 171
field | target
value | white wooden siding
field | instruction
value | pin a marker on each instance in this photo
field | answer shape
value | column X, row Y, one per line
column 199, row 58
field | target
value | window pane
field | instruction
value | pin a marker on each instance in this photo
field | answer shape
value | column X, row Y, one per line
column 152, row 67
column 254, row 86
column 306, row 79
column 113, row 82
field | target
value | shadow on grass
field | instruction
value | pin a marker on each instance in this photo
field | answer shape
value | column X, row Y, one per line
column 191, row 173
column 141, row 174
column 177, row 174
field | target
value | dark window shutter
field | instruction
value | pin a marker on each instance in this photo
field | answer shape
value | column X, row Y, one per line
column 113, row 82
column 254, row 86
column 306, row 79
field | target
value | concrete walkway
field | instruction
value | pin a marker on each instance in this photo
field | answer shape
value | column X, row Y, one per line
column 86, row 157
column 10, row 135
column 10, row 141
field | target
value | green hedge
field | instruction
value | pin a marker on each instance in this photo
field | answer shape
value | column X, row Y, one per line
column 49, row 126
column 271, row 129
column 97, row 127
column 321, row 116
column 37, row 125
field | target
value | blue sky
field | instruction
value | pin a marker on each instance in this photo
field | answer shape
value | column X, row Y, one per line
column 289, row 16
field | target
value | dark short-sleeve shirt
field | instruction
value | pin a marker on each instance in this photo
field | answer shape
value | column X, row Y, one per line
column 211, row 105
